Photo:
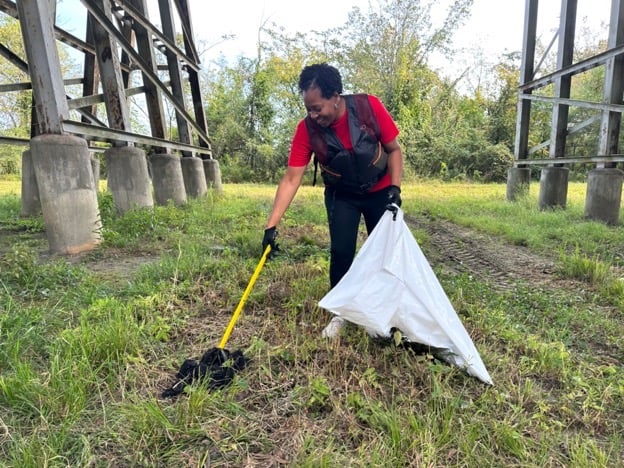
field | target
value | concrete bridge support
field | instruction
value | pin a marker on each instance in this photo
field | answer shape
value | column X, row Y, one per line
column 95, row 170
column 167, row 178
column 128, row 178
column 604, row 195
column 518, row 179
column 31, row 204
column 62, row 167
column 213, row 175
column 194, row 177
column 553, row 187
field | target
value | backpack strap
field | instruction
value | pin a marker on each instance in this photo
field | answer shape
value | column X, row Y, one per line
column 364, row 113
column 316, row 163
column 359, row 106
column 317, row 141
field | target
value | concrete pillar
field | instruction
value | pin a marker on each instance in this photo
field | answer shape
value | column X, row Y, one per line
column 518, row 179
column 604, row 195
column 167, row 179
column 95, row 169
column 194, row 177
column 68, row 196
column 128, row 179
column 213, row 174
column 553, row 187
column 31, row 205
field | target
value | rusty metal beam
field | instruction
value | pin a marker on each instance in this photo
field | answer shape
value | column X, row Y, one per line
column 140, row 18
column 600, row 159
column 193, row 76
column 105, row 23
column 37, row 25
column 175, row 74
column 132, row 26
column 90, row 71
column 110, row 70
column 563, row 84
column 579, row 67
column 523, row 113
column 613, row 84
column 153, row 98
column 602, row 106
column 119, row 137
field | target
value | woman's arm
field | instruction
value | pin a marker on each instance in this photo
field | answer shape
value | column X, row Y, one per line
column 395, row 161
column 285, row 193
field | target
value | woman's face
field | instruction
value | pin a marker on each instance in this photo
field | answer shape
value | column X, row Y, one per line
column 322, row 111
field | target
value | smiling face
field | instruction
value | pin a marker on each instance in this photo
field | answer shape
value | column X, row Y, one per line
column 322, row 111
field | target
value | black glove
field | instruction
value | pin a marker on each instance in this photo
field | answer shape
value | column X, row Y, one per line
column 394, row 195
column 394, row 200
column 270, row 234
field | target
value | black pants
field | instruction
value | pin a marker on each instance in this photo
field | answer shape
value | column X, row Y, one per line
column 344, row 211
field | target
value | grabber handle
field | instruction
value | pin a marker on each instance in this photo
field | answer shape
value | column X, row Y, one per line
column 241, row 303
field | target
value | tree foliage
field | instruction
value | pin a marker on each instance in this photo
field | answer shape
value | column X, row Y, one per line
column 448, row 129
column 14, row 106
column 461, row 128
column 383, row 51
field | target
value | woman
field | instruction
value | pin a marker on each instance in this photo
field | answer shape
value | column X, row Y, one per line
column 360, row 180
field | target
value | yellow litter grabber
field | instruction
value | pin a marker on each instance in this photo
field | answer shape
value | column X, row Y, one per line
column 217, row 365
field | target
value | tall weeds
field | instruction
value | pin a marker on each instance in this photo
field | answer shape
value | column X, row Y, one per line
column 87, row 345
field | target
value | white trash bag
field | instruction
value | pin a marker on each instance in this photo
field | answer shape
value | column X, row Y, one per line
column 391, row 284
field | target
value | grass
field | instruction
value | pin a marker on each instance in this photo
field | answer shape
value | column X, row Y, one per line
column 88, row 344
column 482, row 206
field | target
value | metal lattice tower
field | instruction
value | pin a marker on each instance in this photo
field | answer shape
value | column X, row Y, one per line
column 604, row 189
column 127, row 61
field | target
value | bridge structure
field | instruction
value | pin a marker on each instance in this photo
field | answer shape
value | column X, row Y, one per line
column 604, row 183
column 130, row 65
column 128, row 61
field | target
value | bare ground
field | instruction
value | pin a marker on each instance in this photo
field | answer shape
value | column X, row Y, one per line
column 453, row 248
column 462, row 250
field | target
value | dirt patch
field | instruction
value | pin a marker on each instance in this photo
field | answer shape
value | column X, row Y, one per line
column 453, row 249
column 457, row 249
column 118, row 264
column 449, row 248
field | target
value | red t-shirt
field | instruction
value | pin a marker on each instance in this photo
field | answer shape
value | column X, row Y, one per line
column 301, row 149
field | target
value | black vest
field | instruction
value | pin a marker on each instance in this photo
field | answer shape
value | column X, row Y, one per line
column 356, row 170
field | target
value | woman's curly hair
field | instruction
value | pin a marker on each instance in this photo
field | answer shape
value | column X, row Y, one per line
column 322, row 76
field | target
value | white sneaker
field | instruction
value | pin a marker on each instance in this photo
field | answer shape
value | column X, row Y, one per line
column 333, row 328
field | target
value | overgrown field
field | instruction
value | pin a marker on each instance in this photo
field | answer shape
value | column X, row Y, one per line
column 88, row 343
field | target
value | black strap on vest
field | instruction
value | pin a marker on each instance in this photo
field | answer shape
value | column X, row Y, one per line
column 359, row 107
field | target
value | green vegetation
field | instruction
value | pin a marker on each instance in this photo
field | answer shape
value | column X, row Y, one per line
column 87, row 344
column 457, row 124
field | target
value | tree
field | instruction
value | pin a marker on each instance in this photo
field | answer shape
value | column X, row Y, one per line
column 15, row 107
column 443, row 133
column 242, row 115
column 501, row 105
column 254, row 105
column 383, row 52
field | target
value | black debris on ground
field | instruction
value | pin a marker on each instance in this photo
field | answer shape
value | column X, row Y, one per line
column 215, row 369
column 397, row 339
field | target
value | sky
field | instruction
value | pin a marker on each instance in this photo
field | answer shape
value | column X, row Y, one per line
column 493, row 28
